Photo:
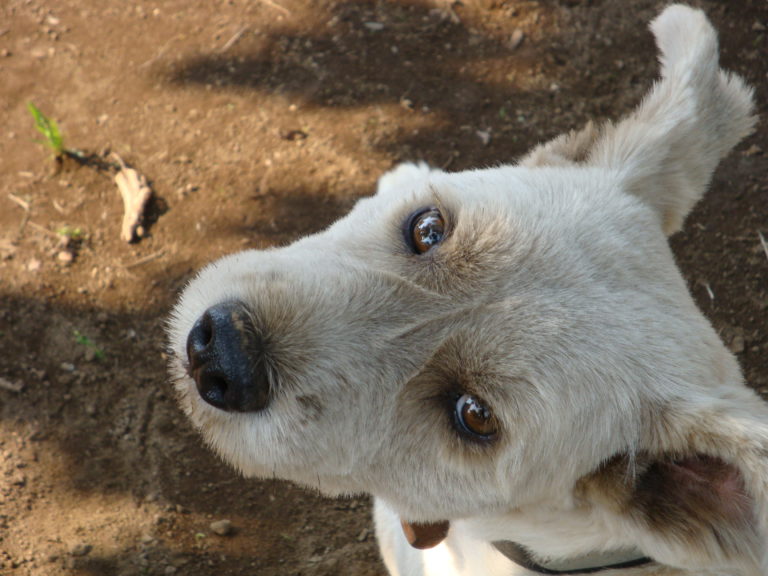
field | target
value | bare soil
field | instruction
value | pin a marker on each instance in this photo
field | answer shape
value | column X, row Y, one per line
column 258, row 122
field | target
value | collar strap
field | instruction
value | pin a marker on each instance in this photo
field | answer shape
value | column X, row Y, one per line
column 586, row 564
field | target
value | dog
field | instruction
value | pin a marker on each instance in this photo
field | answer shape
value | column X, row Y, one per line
column 507, row 359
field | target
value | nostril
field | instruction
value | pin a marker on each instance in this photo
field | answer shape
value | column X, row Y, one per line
column 198, row 340
column 213, row 389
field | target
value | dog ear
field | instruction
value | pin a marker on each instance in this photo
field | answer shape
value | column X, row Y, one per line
column 666, row 151
column 702, row 502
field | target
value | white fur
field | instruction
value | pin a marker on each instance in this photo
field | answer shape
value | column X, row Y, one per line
column 554, row 297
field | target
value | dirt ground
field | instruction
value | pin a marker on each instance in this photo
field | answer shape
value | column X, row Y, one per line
column 258, row 122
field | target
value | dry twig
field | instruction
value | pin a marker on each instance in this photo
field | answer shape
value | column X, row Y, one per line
column 12, row 386
column 763, row 242
column 277, row 6
column 43, row 229
column 233, row 40
column 136, row 193
column 140, row 261
column 23, row 203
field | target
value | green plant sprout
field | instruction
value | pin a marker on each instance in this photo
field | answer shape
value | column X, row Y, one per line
column 50, row 131
column 83, row 340
column 74, row 234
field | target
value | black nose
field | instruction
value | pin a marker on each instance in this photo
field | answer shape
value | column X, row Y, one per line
column 227, row 359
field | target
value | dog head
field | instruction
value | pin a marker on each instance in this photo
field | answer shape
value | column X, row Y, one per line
column 486, row 342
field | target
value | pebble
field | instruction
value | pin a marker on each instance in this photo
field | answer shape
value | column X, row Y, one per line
column 484, row 135
column 737, row 344
column 221, row 527
column 516, row 39
column 6, row 384
column 80, row 549
column 65, row 257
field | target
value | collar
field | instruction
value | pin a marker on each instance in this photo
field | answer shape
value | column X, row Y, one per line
column 586, row 564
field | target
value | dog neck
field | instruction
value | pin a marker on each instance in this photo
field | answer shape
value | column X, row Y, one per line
column 584, row 564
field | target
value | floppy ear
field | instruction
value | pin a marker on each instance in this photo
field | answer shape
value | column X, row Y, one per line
column 666, row 151
column 701, row 501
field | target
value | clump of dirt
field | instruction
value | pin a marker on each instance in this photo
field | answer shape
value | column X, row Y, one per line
column 256, row 123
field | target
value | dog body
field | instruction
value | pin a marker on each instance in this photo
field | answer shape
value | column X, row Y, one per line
column 507, row 359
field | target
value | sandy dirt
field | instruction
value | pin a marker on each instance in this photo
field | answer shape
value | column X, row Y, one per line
column 257, row 122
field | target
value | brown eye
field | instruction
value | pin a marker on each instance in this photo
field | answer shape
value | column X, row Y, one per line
column 425, row 230
column 475, row 417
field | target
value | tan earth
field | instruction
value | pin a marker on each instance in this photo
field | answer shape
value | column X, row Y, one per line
column 257, row 122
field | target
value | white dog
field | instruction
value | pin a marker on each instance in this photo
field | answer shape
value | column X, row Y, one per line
column 507, row 359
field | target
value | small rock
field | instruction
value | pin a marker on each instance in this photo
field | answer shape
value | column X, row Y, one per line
column 516, row 39
column 484, row 135
column 374, row 26
column 67, row 366
column 758, row 26
column 65, row 257
column 80, row 549
column 33, row 265
column 170, row 570
column 6, row 384
column 363, row 536
column 89, row 355
column 221, row 527
column 753, row 150
column 293, row 135
column 737, row 344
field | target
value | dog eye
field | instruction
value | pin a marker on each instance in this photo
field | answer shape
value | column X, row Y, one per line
column 425, row 230
column 475, row 417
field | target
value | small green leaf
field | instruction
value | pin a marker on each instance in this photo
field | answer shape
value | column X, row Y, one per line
column 49, row 129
